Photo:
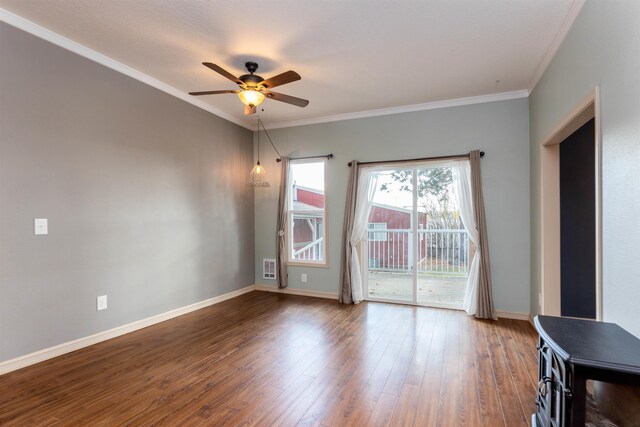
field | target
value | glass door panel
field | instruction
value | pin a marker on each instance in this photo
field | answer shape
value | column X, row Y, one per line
column 390, row 245
column 443, row 242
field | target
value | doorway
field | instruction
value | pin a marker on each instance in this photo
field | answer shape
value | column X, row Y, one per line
column 550, row 296
column 417, row 250
column 577, row 224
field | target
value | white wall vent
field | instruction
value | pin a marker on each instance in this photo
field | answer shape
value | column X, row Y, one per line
column 269, row 268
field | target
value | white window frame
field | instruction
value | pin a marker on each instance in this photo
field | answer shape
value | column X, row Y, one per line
column 291, row 212
column 377, row 231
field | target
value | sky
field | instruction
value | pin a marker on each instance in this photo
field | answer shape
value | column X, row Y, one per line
column 311, row 175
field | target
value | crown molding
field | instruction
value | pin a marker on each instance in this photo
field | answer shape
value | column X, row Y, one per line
column 551, row 51
column 84, row 51
column 504, row 96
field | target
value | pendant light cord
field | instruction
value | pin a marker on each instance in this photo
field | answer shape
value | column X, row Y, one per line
column 258, row 141
column 266, row 133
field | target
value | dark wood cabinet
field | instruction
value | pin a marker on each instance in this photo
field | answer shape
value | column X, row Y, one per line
column 572, row 351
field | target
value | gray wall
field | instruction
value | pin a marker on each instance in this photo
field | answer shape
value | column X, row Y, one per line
column 499, row 128
column 602, row 48
column 146, row 198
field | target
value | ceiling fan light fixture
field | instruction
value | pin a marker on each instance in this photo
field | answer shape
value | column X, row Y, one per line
column 251, row 97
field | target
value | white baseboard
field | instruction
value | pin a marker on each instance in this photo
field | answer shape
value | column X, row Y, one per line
column 333, row 295
column 58, row 350
column 512, row 315
column 291, row 291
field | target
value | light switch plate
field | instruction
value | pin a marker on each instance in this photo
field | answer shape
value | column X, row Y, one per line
column 101, row 303
column 40, row 226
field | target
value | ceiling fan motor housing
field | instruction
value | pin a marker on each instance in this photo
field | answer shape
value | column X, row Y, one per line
column 251, row 79
column 251, row 67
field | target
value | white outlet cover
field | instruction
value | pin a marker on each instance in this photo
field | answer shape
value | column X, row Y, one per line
column 303, row 278
column 101, row 303
column 40, row 226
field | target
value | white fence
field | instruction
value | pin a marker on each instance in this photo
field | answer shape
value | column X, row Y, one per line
column 439, row 251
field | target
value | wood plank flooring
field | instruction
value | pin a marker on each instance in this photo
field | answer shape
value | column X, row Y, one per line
column 273, row 359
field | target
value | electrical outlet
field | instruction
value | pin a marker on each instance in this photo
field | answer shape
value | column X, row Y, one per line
column 101, row 303
column 303, row 278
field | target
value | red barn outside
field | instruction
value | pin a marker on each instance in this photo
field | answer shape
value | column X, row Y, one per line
column 390, row 235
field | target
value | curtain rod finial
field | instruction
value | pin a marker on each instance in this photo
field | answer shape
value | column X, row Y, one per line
column 482, row 154
column 279, row 159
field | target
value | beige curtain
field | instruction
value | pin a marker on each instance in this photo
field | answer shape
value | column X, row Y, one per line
column 361, row 189
column 484, row 309
column 345, row 296
column 281, row 244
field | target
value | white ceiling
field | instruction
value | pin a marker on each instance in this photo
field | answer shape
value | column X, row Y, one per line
column 353, row 56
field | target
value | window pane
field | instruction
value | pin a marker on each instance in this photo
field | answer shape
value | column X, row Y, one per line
column 306, row 207
column 377, row 236
column 308, row 237
column 309, row 176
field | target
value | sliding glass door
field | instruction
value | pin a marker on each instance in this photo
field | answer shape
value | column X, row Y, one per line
column 390, row 245
column 417, row 250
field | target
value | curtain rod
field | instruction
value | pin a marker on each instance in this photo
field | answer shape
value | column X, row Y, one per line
column 328, row 156
column 382, row 162
column 279, row 159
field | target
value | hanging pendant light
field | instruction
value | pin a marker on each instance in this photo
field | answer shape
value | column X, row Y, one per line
column 258, row 175
column 257, row 178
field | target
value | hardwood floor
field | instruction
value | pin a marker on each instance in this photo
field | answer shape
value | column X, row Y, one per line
column 273, row 359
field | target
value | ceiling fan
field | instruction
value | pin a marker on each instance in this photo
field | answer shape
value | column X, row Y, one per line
column 254, row 89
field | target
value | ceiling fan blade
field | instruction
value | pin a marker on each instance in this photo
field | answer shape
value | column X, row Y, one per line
column 281, row 79
column 249, row 109
column 212, row 92
column 222, row 72
column 287, row 98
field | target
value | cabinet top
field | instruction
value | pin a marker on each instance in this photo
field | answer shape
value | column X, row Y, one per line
column 591, row 344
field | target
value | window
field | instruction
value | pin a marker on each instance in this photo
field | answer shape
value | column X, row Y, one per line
column 306, row 212
column 377, row 236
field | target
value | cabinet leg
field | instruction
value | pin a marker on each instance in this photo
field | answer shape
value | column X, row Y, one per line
column 577, row 406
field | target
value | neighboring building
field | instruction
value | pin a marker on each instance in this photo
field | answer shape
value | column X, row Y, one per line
column 307, row 227
column 390, row 237
column 392, row 248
